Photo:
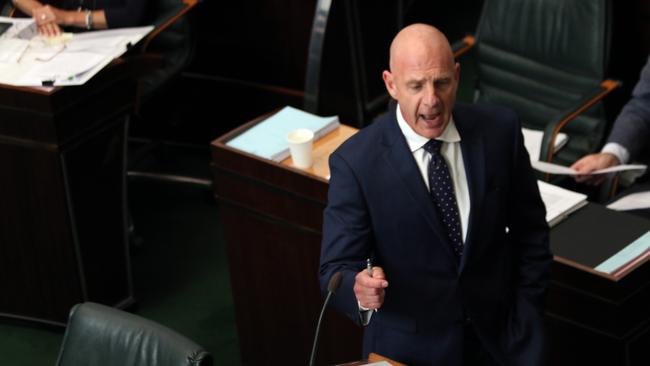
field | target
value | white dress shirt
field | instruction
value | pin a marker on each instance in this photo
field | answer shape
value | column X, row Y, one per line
column 452, row 154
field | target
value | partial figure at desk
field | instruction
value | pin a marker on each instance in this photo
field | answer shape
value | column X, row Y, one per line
column 443, row 200
column 629, row 140
column 82, row 15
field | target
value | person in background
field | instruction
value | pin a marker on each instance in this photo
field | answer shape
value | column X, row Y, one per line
column 82, row 14
column 629, row 140
column 435, row 221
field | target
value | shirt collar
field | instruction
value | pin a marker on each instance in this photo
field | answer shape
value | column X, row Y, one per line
column 415, row 141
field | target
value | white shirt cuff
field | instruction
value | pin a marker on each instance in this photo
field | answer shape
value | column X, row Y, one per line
column 617, row 150
column 365, row 314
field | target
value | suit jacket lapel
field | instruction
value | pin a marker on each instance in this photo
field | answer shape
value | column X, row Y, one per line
column 473, row 148
column 399, row 157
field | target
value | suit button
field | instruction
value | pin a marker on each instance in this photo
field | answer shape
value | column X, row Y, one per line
column 468, row 320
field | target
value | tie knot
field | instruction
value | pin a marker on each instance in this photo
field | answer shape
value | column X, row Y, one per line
column 433, row 146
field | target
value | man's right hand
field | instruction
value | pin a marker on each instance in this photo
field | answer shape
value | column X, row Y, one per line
column 370, row 290
column 593, row 162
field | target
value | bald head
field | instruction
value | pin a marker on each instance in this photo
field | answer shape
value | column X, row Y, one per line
column 418, row 41
column 423, row 78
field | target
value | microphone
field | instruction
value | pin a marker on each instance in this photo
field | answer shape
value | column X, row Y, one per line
column 332, row 286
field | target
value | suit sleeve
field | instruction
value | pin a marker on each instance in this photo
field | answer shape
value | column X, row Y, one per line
column 529, row 235
column 632, row 126
column 347, row 235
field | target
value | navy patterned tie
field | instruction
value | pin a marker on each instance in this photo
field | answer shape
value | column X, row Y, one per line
column 442, row 191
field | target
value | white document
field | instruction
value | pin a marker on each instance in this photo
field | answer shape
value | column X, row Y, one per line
column 634, row 201
column 22, row 28
column 62, row 68
column 71, row 63
column 551, row 168
column 11, row 50
column 559, row 202
column 533, row 142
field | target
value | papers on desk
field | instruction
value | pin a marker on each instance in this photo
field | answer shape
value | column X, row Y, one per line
column 12, row 50
column 551, row 168
column 20, row 28
column 634, row 201
column 36, row 61
column 559, row 202
column 533, row 142
column 268, row 138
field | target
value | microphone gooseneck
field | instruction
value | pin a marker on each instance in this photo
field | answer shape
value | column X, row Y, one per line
column 332, row 286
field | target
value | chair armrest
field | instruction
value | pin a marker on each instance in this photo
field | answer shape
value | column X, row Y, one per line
column 166, row 21
column 463, row 46
column 554, row 127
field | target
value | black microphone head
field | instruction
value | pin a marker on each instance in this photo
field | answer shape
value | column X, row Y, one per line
column 335, row 282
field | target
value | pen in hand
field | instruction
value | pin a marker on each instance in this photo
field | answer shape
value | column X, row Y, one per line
column 369, row 269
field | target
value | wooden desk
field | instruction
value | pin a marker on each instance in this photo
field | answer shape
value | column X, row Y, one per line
column 62, row 197
column 272, row 217
column 593, row 317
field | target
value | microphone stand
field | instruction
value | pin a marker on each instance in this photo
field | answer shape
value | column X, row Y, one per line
column 332, row 286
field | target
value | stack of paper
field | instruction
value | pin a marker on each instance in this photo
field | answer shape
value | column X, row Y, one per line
column 533, row 142
column 268, row 138
column 559, row 202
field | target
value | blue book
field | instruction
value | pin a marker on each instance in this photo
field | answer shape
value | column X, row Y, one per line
column 268, row 138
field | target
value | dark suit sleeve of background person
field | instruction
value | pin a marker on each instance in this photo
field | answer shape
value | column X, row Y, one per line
column 632, row 126
column 123, row 13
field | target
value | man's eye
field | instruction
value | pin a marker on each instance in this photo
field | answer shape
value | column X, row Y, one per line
column 442, row 83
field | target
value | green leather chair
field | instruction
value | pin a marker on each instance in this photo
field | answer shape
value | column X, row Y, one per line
column 546, row 59
column 99, row 335
column 171, row 42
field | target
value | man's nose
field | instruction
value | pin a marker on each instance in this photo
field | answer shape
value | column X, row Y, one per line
column 430, row 97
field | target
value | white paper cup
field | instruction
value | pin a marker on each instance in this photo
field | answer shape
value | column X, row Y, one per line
column 300, row 143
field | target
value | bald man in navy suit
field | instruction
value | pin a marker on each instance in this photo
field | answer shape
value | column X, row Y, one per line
column 442, row 199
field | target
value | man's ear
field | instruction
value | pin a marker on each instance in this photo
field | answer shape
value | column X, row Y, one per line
column 390, row 83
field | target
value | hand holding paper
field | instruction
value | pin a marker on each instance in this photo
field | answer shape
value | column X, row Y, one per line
column 551, row 168
column 593, row 162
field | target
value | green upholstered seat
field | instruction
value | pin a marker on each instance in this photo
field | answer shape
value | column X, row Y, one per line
column 99, row 335
column 545, row 59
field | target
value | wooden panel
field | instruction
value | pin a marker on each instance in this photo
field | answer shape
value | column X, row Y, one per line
column 62, row 196
column 38, row 264
column 593, row 318
column 272, row 219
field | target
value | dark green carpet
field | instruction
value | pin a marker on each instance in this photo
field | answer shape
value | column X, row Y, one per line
column 180, row 269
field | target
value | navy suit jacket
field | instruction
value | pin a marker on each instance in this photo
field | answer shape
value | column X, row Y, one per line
column 632, row 126
column 379, row 207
